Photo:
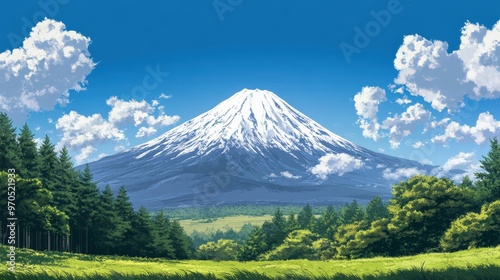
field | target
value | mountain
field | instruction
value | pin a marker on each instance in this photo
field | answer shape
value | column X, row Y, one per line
column 251, row 148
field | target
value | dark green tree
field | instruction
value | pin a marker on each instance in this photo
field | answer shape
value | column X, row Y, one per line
column 352, row 213
column 329, row 222
column 254, row 246
column 162, row 243
column 48, row 164
column 142, row 234
column 28, row 154
column 489, row 180
column 106, row 231
column 125, row 212
column 274, row 231
column 376, row 210
column 181, row 243
column 87, row 198
column 9, row 152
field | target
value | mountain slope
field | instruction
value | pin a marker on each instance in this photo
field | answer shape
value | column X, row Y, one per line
column 251, row 148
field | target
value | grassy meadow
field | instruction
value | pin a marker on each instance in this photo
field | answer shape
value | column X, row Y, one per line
column 224, row 224
column 471, row 264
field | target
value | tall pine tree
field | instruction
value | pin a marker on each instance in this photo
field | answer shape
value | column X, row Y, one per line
column 28, row 154
column 9, row 152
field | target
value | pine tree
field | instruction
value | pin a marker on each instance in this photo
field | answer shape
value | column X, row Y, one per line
column 162, row 243
column 376, row 210
column 305, row 218
column 106, row 223
column 86, row 204
column 291, row 223
column 352, row 213
column 274, row 232
column 142, row 234
column 9, row 152
column 254, row 246
column 329, row 222
column 125, row 212
column 28, row 154
column 66, row 184
column 181, row 243
column 48, row 164
column 489, row 181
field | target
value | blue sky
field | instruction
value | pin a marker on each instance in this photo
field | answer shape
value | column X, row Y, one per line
column 297, row 49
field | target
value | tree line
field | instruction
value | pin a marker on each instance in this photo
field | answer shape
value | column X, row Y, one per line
column 62, row 209
column 425, row 214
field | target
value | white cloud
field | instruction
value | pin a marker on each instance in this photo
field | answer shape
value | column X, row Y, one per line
column 37, row 76
column 272, row 175
column 80, row 131
column 403, row 101
column 467, row 162
column 443, row 79
column 366, row 103
column 145, row 131
column 84, row 154
column 486, row 127
column 50, row 120
column 289, row 175
column 418, row 145
column 336, row 164
column 401, row 126
column 401, row 173
column 164, row 96
column 139, row 113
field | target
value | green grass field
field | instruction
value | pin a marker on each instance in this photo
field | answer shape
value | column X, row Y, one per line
column 224, row 224
column 472, row 264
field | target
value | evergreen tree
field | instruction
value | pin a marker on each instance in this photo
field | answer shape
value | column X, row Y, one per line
column 291, row 223
column 352, row 213
column 466, row 182
column 142, row 234
column 376, row 210
column 162, row 243
column 66, row 185
column 28, row 154
column 328, row 223
column 254, row 246
column 181, row 243
column 274, row 232
column 106, row 223
column 87, row 198
column 9, row 153
column 305, row 218
column 48, row 164
column 489, row 181
column 125, row 213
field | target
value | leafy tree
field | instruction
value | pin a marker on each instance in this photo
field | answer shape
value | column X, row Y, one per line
column 297, row 245
column 422, row 208
column 223, row 250
column 373, row 241
column 345, row 234
column 28, row 154
column 376, row 210
column 474, row 230
column 489, row 181
column 352, row 213
column 9, row 153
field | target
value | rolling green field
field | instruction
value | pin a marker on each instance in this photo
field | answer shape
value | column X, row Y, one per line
column 472, row 264
column 224, row 224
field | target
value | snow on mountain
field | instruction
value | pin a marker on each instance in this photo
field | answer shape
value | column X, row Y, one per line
column 251, row 148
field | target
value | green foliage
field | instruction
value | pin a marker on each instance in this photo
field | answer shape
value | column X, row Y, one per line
column 9, row 153
column 254, row 246
column 305, row 219
column 352, row 213
column 474, row 230
column 357, row 242
column 48, row 164
column 376, row 210
column 297, row 245
column 28, row 154
column 222, row 250
column 489, row 181
column 422, row 208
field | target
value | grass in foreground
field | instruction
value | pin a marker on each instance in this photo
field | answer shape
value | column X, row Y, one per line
column 472, row 264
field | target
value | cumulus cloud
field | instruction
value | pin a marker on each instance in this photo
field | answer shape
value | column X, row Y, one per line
column 289, row 175
column 336, row 164
column 79, row 131
column 467, row 162
column 84, row 154
column 418, row 145
column 401, row 173
column 37, row 76
column 443, row 79
column 403, row 101
column 145, row 131
column 401, row 126
column 366, row 103
column 138, row 113
column 164, row 96
column 486, row 127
